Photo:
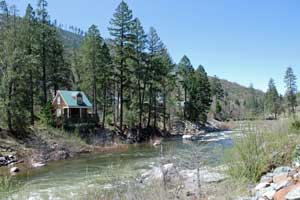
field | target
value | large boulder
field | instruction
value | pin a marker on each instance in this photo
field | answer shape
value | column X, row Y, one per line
column 167, row 171
column 293, row 195
column 188, row 179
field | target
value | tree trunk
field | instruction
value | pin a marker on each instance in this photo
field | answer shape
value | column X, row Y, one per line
column 104, row 107
column 149, row 106
column 95, row 98
column 184, row 106
column 155, row 110
column 31, row 96
column 121, row 97
column 115, row 104
column 9, row 120
column 164, row 112
column 140, row 105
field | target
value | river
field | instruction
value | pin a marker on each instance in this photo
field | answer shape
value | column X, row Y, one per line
column 67, row 179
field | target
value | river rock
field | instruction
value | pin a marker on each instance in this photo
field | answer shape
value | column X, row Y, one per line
column 157, row 143
column 280, row 170
column 2, row 160
column 281, row 185
column 280, row 177
column 262, row 185
column 157, row 173
column 37, row 165
column 14, row 170
column 61, row 155
column 187, row 137
column 267, row 178
column 296, row 177
column 269, row 194
column 293, row 195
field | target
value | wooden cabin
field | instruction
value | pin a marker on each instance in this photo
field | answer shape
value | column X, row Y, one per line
column 72, row 105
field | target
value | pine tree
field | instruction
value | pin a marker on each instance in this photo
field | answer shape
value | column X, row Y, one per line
column 28, row 43
column 291, row 89
column 139, row 42
column 59, row 71
column 200, row 96
column 218, row 95
column 185, row 69
column 217, row 88
column 155, row 50
column 272, row 99
column 13, row 92
column 92, row 63
column 106, row 80
column 167, row 83
column 43, row 33
column 120, row 30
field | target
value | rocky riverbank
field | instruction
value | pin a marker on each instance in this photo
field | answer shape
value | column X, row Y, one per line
column 39, row 146
column 188, row 182
column 283, row 183
column 280, row 184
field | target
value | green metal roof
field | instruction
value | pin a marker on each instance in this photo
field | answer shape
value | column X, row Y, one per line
column 68, row 97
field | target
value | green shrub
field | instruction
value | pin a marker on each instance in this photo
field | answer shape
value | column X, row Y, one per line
column 47, row 114
column 260, row 149
column 295, row 126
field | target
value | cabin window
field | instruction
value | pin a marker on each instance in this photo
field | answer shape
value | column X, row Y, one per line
column 58, row 112
column 58, row 100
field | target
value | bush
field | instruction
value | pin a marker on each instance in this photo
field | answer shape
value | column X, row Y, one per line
column 260, row 149
column 295, row 126
column 47, row 115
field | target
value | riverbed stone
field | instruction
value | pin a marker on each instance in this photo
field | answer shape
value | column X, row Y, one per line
column 293, row 195
column 14, row 170
column 38, row 164
column 267, row 178
column 282, row 184
column 188, row 179
column 296, row 177
column 280, row 177
column 262, row 185
column 280, row 170
column 270, row 193
column 61, row 155
column 280, row 194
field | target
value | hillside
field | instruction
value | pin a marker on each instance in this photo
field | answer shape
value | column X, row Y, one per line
column 238, row 92
column 69, row 39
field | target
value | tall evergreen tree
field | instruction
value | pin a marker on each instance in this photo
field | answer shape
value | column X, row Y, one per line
column 13, row 92
column 272, row 99
column 120, row 30
column 140, row 42
column 185, row 69
column 218, row 95
column 43, row 30
column 28, row 44
column 106, row 80
column 92, row 63
column 155, row 50
column 200, row 96
column 291, row 89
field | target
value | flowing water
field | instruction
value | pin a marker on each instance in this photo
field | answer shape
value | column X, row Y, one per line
column 67, row 179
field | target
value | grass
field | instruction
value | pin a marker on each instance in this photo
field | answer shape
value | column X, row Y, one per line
column 263, row 146
column 7, row 186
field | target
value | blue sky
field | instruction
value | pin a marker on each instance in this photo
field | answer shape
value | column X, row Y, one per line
column 239, row 40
